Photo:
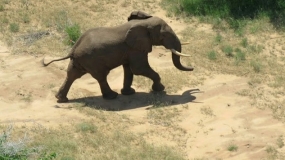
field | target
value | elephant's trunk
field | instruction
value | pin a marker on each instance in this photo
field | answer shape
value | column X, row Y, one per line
column 176, row 61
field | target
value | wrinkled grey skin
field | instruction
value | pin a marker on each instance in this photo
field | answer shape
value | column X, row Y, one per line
column 101, row 49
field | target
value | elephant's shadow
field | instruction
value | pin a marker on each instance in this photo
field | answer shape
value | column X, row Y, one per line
column 140, row 99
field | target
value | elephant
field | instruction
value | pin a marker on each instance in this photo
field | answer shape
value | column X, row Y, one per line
column 138, row 15
column 101, row 49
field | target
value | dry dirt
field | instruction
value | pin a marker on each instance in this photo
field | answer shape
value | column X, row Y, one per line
column 213, row 118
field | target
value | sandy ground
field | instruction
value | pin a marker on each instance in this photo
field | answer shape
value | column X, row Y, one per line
column 27, row 95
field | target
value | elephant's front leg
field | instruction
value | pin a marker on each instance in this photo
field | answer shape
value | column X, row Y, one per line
column 140, row 66
column 128, row 80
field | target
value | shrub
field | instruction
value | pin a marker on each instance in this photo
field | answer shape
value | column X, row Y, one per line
column 14, row 27
column 1, row 8
column 26, row 18
column 244, row 42
column 86, row 127
column 228, row 50
column 256, row 66
column 216, row 8
column 12, row 149
column 232, row 147
column 73, row 33
column 239, row 56
column 218, row 38
column 212, row 55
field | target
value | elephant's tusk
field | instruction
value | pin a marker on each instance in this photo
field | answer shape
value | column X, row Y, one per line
column 178, row 53
column 184, row 43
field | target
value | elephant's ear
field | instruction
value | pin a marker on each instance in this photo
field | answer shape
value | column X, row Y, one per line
column 138, row 15
column 138, row 38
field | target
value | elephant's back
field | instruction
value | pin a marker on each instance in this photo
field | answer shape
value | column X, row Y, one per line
column 101, row 47
column 103, row 36
column 101, row 40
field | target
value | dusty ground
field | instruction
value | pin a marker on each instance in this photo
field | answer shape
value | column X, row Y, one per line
column 213, row 115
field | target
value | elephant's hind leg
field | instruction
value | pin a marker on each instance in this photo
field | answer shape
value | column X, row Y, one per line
column 106, row 91
column 128, row 80
column 72, row 74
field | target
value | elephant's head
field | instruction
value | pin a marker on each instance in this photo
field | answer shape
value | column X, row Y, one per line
column 154, row 31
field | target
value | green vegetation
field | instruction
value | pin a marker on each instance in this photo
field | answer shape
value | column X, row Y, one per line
column 73, row 33
column 212, row 55
column 11, row 149
column 218, row 38
column 244, row 42
column 234, row 11
column 228, row 50
column 239, row 56
column 26, row 18
column 86, row 127
column 256, row 65
column 1, row 7
column 232, row 147
column 14, row 27
column 272, row 153
column 70, row 142
column 280, row 141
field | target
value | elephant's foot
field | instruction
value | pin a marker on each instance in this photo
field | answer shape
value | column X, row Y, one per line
column 61, row 99
column 110, row 95
column 128, row 91
column 158, row 87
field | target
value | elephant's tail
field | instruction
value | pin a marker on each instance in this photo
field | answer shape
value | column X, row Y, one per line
column 46, row 64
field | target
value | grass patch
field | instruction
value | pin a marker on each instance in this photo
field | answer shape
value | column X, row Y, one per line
column 244, row 42
column 111, row 132
column 280, row 141
column 228, row 50
column 73, row 33
column 12, row 148
column 212, row 55
column 86, row 127
column 2, row 8
column 272, row 152
column 278, row 110
column 124, row 145
column 218, row 38
column 277, row 82
column 82, row 141
column 255, row 48
column 26, row 18
column 14, row 27
column 232, row 148
column 239, row 56
column 256, row 65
